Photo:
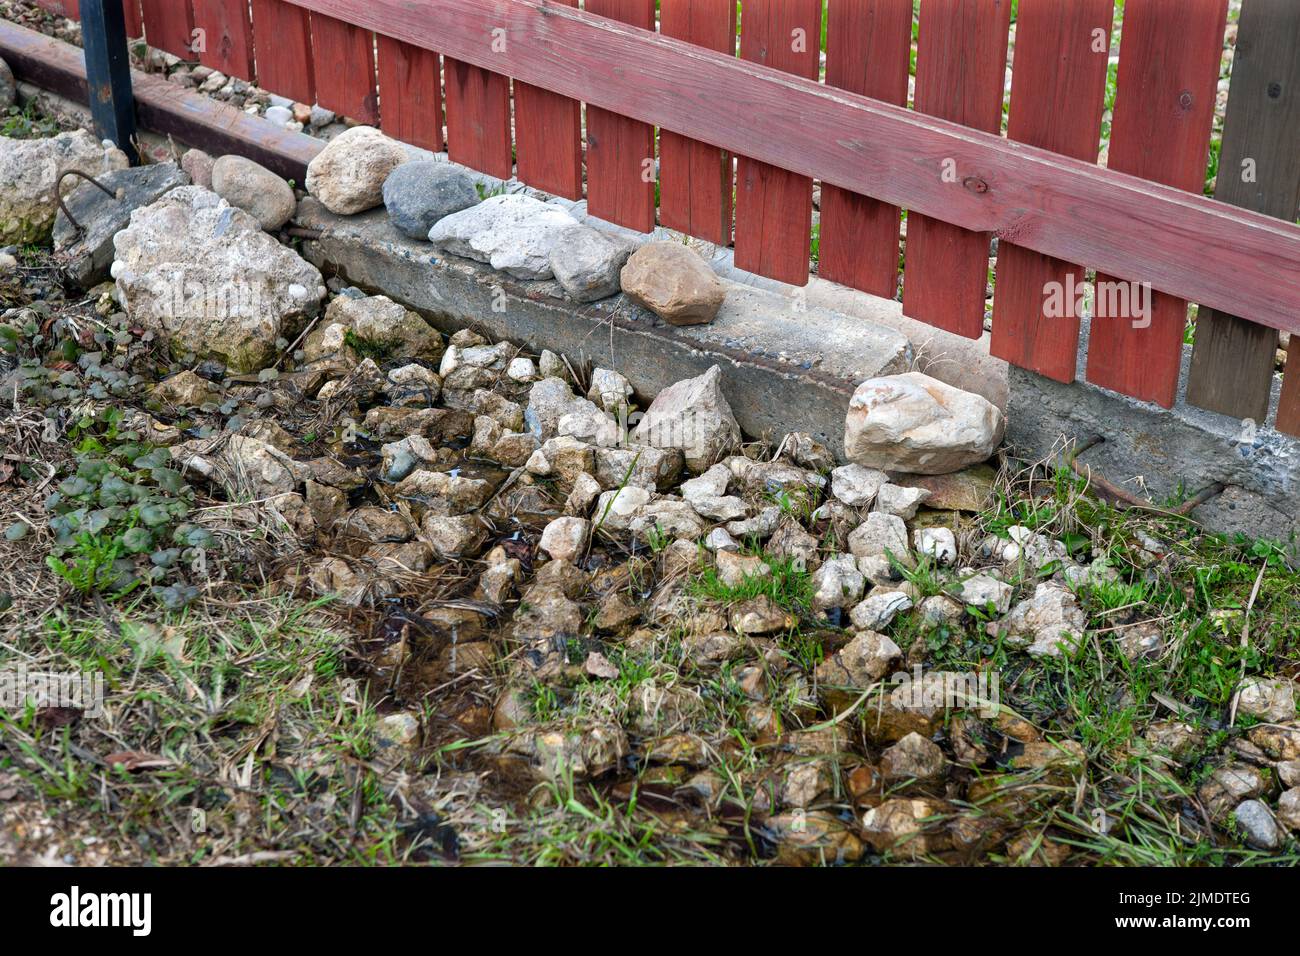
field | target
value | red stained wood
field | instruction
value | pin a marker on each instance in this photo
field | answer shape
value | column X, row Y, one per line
column 868, row 51
column 410, row 94
column 1185, row 244
column 64, row 8
column 773, row 204
column 134, row 20
column 227, row 36
column 478, row 118
column 1288, row 410
column 344, row 56
column 282, row 45
column 548, row 138
column 1164, row 106
column 169, row 25
column 695, row 179
column 1058, row 92
column 960, row 75
column 621, row 151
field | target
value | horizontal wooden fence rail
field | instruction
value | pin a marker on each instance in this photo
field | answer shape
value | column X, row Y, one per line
column 1124, row 226
column 1039, row 191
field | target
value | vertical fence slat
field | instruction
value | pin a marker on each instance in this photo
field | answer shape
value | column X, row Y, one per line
column 773, row 205
column 227, row 37
column 961, row 65
column 695, row 179
column 282, row 44
column 410, row 94
column 1259, row 169
column 134, row 21
column 548, row 138
column 1170, row 51
column 1058, row 93
column 63, row 8
column 868, row 51
column 169, row 25
column 478, row 118
column 344, row 57
column 1288, row 410
column 621, row 151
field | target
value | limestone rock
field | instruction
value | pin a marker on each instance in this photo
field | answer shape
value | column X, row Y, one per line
column 692, row 415
column 513, row 233
column 566, row 539
column 913, row 758
column 586, row 262
column 880, row 534
column 1046, row 624
column 937, row 543
column 859, row 663
column 857, row 486
column 837, row 583
column 1257, row 825
column 198, row 165
column 382, row 324
column 30, row 170
column 914, row 423
column 348, row 175
column 1271, row 700
column 903, row 502
column 206, row 277
column 880, row 608
column 981, row 590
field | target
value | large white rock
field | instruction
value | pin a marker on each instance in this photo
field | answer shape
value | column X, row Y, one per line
column 29, row 173
column 204, row 275
column 914, row 423
column 692, row 415
column 513, row 233
column 348, row 175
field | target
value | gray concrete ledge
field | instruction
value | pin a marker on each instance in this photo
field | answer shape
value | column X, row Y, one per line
column 785, row 367
column 1160, row 452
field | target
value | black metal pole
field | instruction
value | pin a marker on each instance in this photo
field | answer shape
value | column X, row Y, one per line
column 108, row 73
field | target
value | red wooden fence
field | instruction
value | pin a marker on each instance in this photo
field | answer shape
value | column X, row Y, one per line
column 514, row 74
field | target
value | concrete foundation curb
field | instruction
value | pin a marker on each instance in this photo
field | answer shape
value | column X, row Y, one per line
column 785, row 367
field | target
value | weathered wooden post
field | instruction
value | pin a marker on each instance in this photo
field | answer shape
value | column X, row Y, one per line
column 108, row 73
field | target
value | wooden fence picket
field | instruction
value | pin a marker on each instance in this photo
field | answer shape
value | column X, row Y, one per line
column 478, row 118
column 774, row 205
column 1169, row 57
column 621, row 151
column 1058, row 93
column 695, row 179
column 344, row 58
column 227, row 36
column 548, row 138
column 410, row 94
column 282, row 48
column 868, row 51
column 169, row 26
column 960, row 76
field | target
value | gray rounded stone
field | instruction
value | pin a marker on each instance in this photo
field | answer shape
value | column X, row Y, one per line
column 418, row 194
